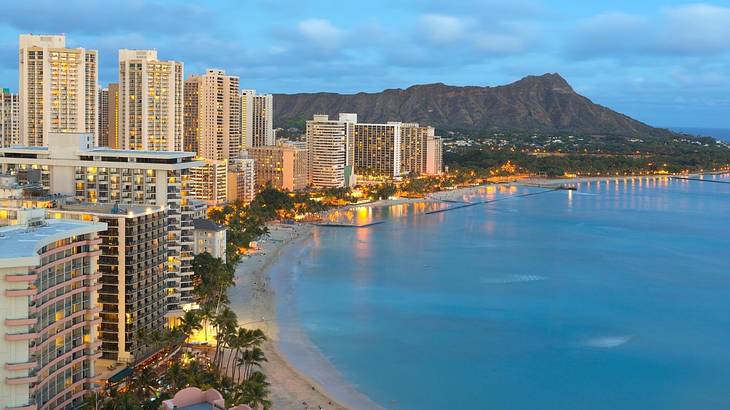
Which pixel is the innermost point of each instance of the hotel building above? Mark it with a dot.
(9, 118)
(132, 269)
(113, 117)
(103, 111)
(241, 180)
(209, 182)
(420, 150)
(283, 165)
(150, 102)
(212, 112)
(209, 237)
(377, 150)
(434, 155)
(48, 313)
(330, 150)
(58, 89)
(257, 119)
(70, 165)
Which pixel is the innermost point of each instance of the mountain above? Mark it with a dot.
(544, 103)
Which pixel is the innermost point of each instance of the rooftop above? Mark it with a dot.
(111, 209)
(207, 225)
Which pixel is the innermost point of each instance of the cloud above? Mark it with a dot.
(321, 32)
(441, 29)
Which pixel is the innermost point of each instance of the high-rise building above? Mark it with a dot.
(213, 115)
(132, 269)
(377, 150)
(49, 312)
(434, 155)
(330, 150)
(103, 111)
(150, 102)
(419, 145)
(241, 180)
(58, 88)
(209, 182)
(70, 165)
(283, 165)
(9, 118)
(257, 119)
(113, 116)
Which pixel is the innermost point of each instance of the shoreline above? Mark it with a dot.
(254, 301)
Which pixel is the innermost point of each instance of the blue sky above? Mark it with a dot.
(663, 62)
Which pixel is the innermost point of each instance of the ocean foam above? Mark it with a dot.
(608, 342)
(511, 279)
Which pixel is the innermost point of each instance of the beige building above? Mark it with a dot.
(330, 151)
(241, 180)
(150, 102)
(434, 156)
(48, 313)
(420, 150)
(209, 237)
(113, 117)
(213, 115)
(209, 182)
(70, 165)
(9, 118)
(103, 111)
(377, 150)
(283, 165)
(257, 119)
(58, 88)
(132, 269)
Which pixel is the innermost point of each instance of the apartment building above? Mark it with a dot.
(212, 112)
(9, 118)
(283, 165)
(58, 89)
(377, 150)
(103, 112)
(209, 182)
(70, 165)
(150, 102)
(132, 269)
(421, 150)
(434, 155)
(48, 313)
(113, 117)
(257, 119)
(241, 180)
(330, 151)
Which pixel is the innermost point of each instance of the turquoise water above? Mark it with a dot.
(614, 296)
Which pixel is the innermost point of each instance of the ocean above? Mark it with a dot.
(612, 296)
(722, 134)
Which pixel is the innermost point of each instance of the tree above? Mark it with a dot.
(176, 377)
(249, 359)
(144, 384)
(254, 392)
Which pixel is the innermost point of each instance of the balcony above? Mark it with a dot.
(20, 278)
(15, 381)
(20, 366)
(21, 322)
(14, 293)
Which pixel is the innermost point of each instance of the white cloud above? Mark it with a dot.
(442, 29)
(321, 32)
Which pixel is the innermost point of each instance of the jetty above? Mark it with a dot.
(468, 204)
(700, 179)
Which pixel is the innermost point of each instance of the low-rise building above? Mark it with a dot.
(209, 237)
(48, 313)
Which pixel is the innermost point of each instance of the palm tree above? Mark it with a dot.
(255, 392)
(190, 322)
(251, 358)
(224, 322)
(176, 377)
(143, 384)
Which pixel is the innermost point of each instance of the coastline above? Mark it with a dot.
(254, 301)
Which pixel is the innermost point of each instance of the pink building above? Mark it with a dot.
(192, 398)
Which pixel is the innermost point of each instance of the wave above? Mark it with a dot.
(608, 342)
(511, 279)
(585, 194)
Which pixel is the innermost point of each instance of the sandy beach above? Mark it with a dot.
(253, 301)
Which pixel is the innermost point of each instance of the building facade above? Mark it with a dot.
(421, 150)
(241, 180)
(257, 119)
(377, 150)
(209, 182)
(330, 151)
(58, 89)
(48, 313)
(213, 115)
(132, 269)
(283, 165)
(150, 102)
(103, 122)
(434, 156)
(72, 166)
(113, 117)
(9, 118)
(209, 237)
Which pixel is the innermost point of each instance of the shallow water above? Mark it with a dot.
(561, 300)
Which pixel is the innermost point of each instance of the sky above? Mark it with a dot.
(663, 62)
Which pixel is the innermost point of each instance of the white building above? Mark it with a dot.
(48, 313)
(70, 165)
(241, 180)
(57, 88)
(209, 237)
(150, 102)
(330, 150)
(257, 119)
(9, 118)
